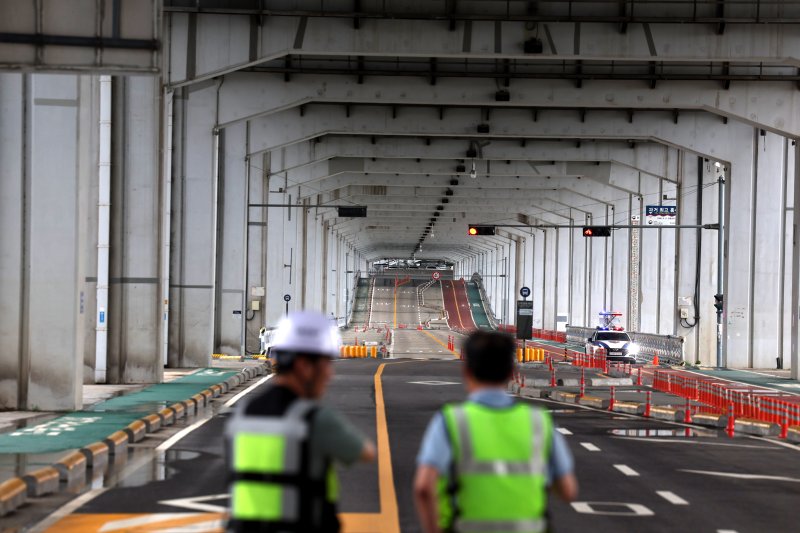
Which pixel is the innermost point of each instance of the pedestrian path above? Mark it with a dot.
(80, 428)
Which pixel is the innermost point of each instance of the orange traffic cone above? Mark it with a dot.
(655, 360)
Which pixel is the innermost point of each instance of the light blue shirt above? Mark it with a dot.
(435, 449)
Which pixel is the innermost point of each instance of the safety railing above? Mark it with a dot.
(668, 348)
(487, 307)
(735, 399)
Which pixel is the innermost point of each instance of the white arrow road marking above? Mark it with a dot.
(589, 446)
(625, 469)
(671, 497)
(196, 503)
(744, 476)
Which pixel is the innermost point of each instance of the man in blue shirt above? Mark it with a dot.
(489, 365)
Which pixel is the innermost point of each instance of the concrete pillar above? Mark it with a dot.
(47, 137)
(795, 232)
(766, 239)
(194, 209)
(134, 300)
(228, 285)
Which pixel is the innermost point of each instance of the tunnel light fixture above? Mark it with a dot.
(473, 173)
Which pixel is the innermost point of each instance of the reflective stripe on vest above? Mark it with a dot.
(266, 456)
(500, 464)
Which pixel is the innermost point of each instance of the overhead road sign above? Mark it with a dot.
(661, 215)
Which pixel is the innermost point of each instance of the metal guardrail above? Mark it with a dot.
(668, 348)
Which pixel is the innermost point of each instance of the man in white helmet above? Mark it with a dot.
(283, 444)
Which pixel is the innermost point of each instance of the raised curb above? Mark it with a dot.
(595, 401)
(631, 408)
(71, 468)
(152, 422)
(566, 397)
(756, 427)
(792, 435)
(666, 413)
(117, 442)
(179, 409)
(530, 392)
(610, 382)
(167, 415)
(13, 493)
(710, 420)
(42, 481)
(96, 455)
(136, 431)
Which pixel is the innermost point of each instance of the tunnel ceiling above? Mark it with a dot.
(557, 109)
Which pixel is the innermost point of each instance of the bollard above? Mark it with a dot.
(639, 377)
(583, 382)
(552, 376)
(613, 397)
(647, 404)
(687, 412)
(731, 429)
(784, 425)
(522, 384)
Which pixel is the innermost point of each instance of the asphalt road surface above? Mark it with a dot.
(635, 474)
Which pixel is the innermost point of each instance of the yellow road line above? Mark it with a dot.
(455, 297)
(441, 343)
(390, 517)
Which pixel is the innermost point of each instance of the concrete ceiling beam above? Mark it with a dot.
(770, 105)
(251, 41)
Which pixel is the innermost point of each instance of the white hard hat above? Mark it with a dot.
(307, 332)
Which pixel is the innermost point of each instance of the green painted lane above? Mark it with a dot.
(77, 429)
(752, 378)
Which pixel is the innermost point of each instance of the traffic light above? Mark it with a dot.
(481, 230)
(719, 302)
(597, 231)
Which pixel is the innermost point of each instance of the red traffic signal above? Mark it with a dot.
(481, 230)
(597, 231)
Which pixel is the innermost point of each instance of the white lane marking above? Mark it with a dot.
(170, 442)
(625, 509)
(701, 443)
(671, 497)
(196, 503)
(589, 446)
(743, 476)
(726, 531)
(625, 469)
(248, 390)
(564, 431)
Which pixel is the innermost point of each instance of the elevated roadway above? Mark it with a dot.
(457, 305)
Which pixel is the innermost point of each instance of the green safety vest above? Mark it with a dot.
(271, 488)
(498, 477)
